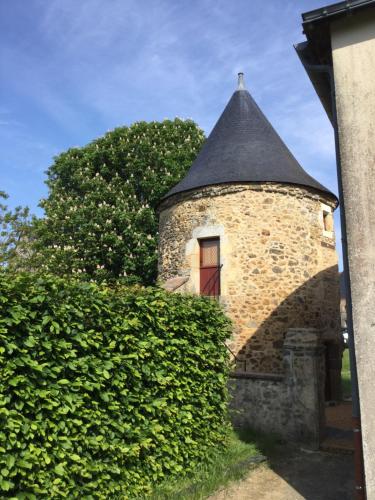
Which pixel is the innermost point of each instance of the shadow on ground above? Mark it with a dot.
(316, 475)
(293, 474)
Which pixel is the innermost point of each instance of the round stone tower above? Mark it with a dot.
(249, 226)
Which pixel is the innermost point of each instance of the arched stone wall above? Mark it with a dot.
(279, 261)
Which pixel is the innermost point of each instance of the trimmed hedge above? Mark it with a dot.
(105, 392)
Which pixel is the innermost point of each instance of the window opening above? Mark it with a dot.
(327, 221)
(210, 266)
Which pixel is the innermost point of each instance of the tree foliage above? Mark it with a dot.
(105, 391)
(15, 235)
(100, 218)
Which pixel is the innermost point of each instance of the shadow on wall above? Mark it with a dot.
(315, 304)
(291, 403)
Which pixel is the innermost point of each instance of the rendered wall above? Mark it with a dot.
(353, 49)
(279, 264)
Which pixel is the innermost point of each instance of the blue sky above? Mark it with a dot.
(74, 69)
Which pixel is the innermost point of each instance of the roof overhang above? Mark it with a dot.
(319, 75)
(316, 53)
(335, 10)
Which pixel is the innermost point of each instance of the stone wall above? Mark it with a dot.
(291, 405)
(279, 264)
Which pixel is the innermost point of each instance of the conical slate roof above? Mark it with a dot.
(244, 147)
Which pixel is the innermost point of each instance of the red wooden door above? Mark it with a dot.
(210, 266)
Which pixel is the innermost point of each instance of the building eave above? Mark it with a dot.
(335, 11)
(316, 52)
(319, 79)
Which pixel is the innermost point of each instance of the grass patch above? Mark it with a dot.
(345, 375)
(244, 451)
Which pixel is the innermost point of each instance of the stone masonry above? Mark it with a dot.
(279, 264)
(290, 405)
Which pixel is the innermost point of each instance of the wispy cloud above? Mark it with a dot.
(78, 68)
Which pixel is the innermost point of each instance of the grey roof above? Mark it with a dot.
(244, 147)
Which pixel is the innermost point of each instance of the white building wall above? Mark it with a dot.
(353, 49)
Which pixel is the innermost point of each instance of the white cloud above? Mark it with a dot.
(87, 66)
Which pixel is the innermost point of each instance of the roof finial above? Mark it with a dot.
(241, 83)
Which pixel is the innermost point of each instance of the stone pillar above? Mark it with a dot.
(304, 378)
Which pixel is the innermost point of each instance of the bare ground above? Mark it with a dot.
(296, 475)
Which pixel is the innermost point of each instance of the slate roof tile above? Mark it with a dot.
(243, 147)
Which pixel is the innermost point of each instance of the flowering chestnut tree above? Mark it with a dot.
(100, 215)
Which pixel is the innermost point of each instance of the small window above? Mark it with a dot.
(327, 221)
(210, 266)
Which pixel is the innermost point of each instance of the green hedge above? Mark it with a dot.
(105, 392)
